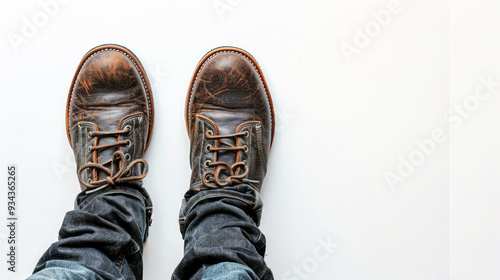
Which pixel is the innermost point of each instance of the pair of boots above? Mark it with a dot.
(230, 122)
(229, 118)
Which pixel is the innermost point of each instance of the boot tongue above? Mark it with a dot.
(108, 123)
(227, 122)
(111, 107)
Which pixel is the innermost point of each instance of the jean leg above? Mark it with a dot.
(228, 271)
(105, 234)
(221, 225)
(59, 269)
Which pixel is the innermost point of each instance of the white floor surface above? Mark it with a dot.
(386, 159)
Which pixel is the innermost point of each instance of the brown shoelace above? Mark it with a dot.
(213, 179)
(119, 164)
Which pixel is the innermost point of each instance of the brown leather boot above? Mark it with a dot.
(230, 121)
(109, 118)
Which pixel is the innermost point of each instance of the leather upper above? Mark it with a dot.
(228, 96)
(109, 109)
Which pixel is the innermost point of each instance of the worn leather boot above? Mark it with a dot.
(109, 118)
(230, 121)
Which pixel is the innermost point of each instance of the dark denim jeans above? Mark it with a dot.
(103, 237)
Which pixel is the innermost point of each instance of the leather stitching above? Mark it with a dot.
(254, 67)
(136, 67)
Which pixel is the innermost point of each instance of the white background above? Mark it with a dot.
(345, 121)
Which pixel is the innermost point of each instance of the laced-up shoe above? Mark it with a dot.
(109, 118)
(230, 121)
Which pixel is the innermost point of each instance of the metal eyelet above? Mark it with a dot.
(209, 133)
(207, 162)
(246, 133)
(207, 148)
(128, 128)
(245, 162)
(128, 143)
(89, 149)
(245, 148)
(127, 156)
